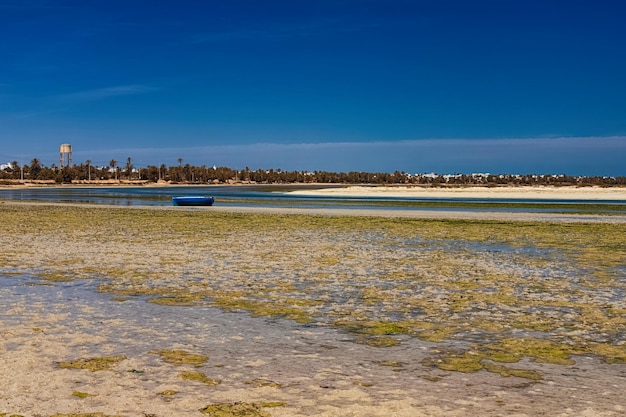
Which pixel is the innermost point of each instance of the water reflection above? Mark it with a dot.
(279, 196)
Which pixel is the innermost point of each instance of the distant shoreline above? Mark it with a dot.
(508, 192)
(570, 192)
(564, 192)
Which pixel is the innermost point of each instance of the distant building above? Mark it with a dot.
(65, 155)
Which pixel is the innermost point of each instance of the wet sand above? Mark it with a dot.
(386, 213)
(257, 360)
(285, 367)
(504, 192)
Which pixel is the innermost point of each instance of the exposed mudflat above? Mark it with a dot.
(162, 311)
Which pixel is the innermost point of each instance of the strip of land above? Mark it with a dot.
(504, 192)
(484, 192)
(395, 213)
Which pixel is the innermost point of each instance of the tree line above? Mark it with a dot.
(125, 172)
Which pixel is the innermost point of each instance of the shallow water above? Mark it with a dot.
(240, 347)
(279, 196)
(314, 370)
(357, 273)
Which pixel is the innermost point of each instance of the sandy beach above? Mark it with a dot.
(505, 192)
(114, 311)
(500, 192)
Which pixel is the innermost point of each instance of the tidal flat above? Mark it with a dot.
(314, 314)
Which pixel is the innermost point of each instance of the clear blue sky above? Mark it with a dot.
(515, 86)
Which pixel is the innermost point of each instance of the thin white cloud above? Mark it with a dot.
(21, 115)
(105, 93)
(207, 37)
(59, 103)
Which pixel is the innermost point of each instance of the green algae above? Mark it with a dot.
(470, 362)
(374, 333)
(540, 350)
(168, 393)
(199, 377)
(373, 328)
(393, 364)
(436, 332)
(57, 276)
(176, 301)
(437, 280)
(104, 363)
(271, 404)
(377, 341)
(82, 395)
(180, 357)
(258, 308)
(612, 354)
(238, 409)
(261, 382)
(512, 350)
(464, 362)
(84, 415)
(509, 350)
(507, 371)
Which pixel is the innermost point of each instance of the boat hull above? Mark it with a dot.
(193, 200)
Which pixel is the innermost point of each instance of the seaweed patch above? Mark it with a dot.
(104, 363)
(199, 377)
(238, 409)
(180, 357)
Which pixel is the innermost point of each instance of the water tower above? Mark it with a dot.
(65, 155)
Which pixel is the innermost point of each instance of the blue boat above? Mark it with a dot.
(193, 200)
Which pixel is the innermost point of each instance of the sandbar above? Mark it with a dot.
(504, 192)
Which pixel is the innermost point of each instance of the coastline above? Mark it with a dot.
(528, 217)
(549, 192)
(506, 192)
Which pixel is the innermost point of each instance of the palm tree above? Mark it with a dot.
(128, 168)
(113, 164)
(35, 168)
(15, 166)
